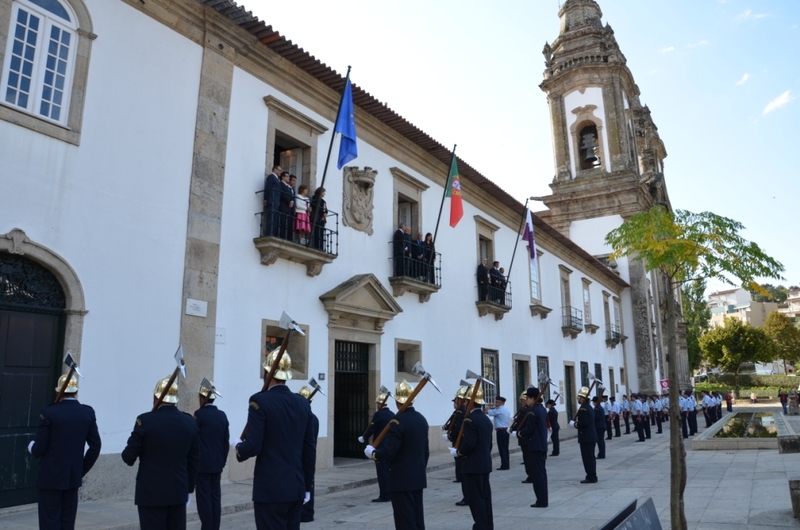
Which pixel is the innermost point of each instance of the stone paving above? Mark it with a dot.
(729, 490)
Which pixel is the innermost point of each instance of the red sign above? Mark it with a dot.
(664, 384)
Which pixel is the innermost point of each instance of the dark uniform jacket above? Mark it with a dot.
(521, 413)
(483, 274)
(167, 444)
(599, 418)
(552, 415)
(280, 434)
(534, 430)
(458, 419)
(272, 191)
(214, 438)
(405, 447)
(380, 419)
(475, 450)
(584, 421)
(64, 429)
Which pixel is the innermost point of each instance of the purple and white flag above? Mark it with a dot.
(528, 236)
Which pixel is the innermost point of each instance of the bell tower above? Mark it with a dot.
(609, 165)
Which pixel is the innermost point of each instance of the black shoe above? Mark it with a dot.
(503, 468)
(456, 481)
(587, 481)
(553, 454)
(637, 441)
(600, 458)
(462, 502)
(381, 499)
(537, 505)
(527, 481)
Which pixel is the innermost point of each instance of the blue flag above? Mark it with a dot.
(346, 124)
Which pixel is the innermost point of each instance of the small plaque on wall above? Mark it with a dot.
(197, 308)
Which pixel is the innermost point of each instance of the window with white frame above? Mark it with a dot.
(536, 286)
(40, 58)
(587, 303)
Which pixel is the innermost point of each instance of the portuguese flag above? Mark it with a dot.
(454, 192)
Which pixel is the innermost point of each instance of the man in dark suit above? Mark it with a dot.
(405, 447)
(600, 427)
(286, 207)
(522, 442)
(272, 189)
(383, 415)
(496, 281)
(483, 281)
(587, 435)
(64, 430)
(552, 417)
(475, 451)
(307, 512)
(167, 444)
(399, 251)
(280, 434)
(459, 403)
(214, 447)
(533, 428)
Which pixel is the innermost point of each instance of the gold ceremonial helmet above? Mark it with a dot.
(523, 395)
(208, 393)
(382, 398)
(402, 392)
(305, 391)
(284, 372)
(172, 393)
(478, 397)
(72, 386)
(462, 392)
(583, 392)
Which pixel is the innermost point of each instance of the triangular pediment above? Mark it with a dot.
(361, 300)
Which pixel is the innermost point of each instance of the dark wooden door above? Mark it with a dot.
(569, 389)
(351, 398)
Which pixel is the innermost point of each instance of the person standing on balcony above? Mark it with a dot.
(496, 281)
(430, 259)
(318, 212)
(272, 189)
(483, 281)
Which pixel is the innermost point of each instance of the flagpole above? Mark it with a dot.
(521, 224)
(444, 194)
(315, 215)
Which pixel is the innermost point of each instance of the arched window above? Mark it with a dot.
(588, 151)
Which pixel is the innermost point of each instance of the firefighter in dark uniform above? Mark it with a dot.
(600, 427)
(475, 453)
(307, 513)
(406, 449)
(383, 415)
(552, 417)
(453, 429)
(214, 447)
(587, 435)
(533, 429)
(167, 443)
(280, 434)
(522, 442)
(64, 430)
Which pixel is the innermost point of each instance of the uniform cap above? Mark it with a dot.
(305, 391)
(284, 371)
(478, 395)
(172, 394)
(402, 392)
(72, 386)
(532, 392)
(523, 395)
(583, 392)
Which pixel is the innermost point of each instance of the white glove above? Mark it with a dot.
(361, 439)
(235, 443)
(307, 497)
(368, 450)
(189, 500)
(572, 423)
(445, 437)
(453, 452)
(30, 447)
(514, 434)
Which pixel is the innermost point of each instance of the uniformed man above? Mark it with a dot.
(552, 417)
(587, 435)
(648, 414)
(600, 427)
(665, 406)
(166, 442)
(502, 418)
(214, 447)
(684, 405)
(692, 412)
(523, 410)
(307, 512)
(533, 428)
(707, 404)
(658, 412)
(625, 406)
(383, 415)
(608, 415)
(475, 451)
(638, 416)
(65, 428)
(406, 449)
(451, 433)
(280, 434)
(615, 412)
(718, 395)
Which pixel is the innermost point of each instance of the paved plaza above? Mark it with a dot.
(730, 490)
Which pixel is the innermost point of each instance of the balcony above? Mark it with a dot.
(613, 335)
(278, 239)
(540, 311)
(420, 274)
(494, 299)
(571, 321)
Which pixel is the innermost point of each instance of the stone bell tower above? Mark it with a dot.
(608, 166)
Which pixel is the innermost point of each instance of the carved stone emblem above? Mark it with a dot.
(358, 196)
(17, 238)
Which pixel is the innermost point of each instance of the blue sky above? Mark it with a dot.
(720, 77)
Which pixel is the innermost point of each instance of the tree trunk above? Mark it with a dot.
(677, 453)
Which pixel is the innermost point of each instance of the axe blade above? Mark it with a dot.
(288, 322)
(484, 380)
(464, 383)
(471, 375)
(384, 390)
(316, 386)
(70, 362)
(179, 360)
(590, 376)
(542, 378)
(418, 369)
(207, 384)
(431, 381)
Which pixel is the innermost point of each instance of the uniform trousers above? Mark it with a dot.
(652, 418)
(480, 500)
(589, 462)
(408, 511)
(526, 461)
(616, 426)
(209, 500)
(685, 423)
(608, 432)
(163, 517)
(692, 422)
(658, 422)
(556, 443)
(638, 426)
(502, 447)
(382, 470)
(307, 511)
(539, 476)
(460, 478)
(601, 443)
(626, 417)
(58, 508)
(646, 427)
(271, 515)
(707, 415)
(713, 411)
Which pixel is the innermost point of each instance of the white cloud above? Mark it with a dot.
(780, 101)
(748, 14)
(667, 49)
(743, 80)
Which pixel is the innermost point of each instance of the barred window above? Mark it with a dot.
(543, 367)
(490, 369)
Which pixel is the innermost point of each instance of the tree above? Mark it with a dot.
(781, 329)
(696, 315)
(774, 293)
(735, 343)
(685, 246)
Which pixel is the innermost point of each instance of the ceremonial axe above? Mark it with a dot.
(426, 378)
(313, 383)
(207, 384)
(181, 367)
(73, 369)
(471, 404)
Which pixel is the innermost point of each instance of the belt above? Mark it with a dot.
(501, 429)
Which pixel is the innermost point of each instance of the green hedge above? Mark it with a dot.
(785, 381)
(744, 391)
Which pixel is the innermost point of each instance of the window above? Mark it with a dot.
(622, 378)
(485, 232)
(543, 367)
(617, 317)
(407, 354)
(272, 336)
(407, 201)
(564, 282)
(585, 374)
(611, 386)
(598, 373)
(587, 303)
(490, 369)
(536, 288)
(45, 62)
